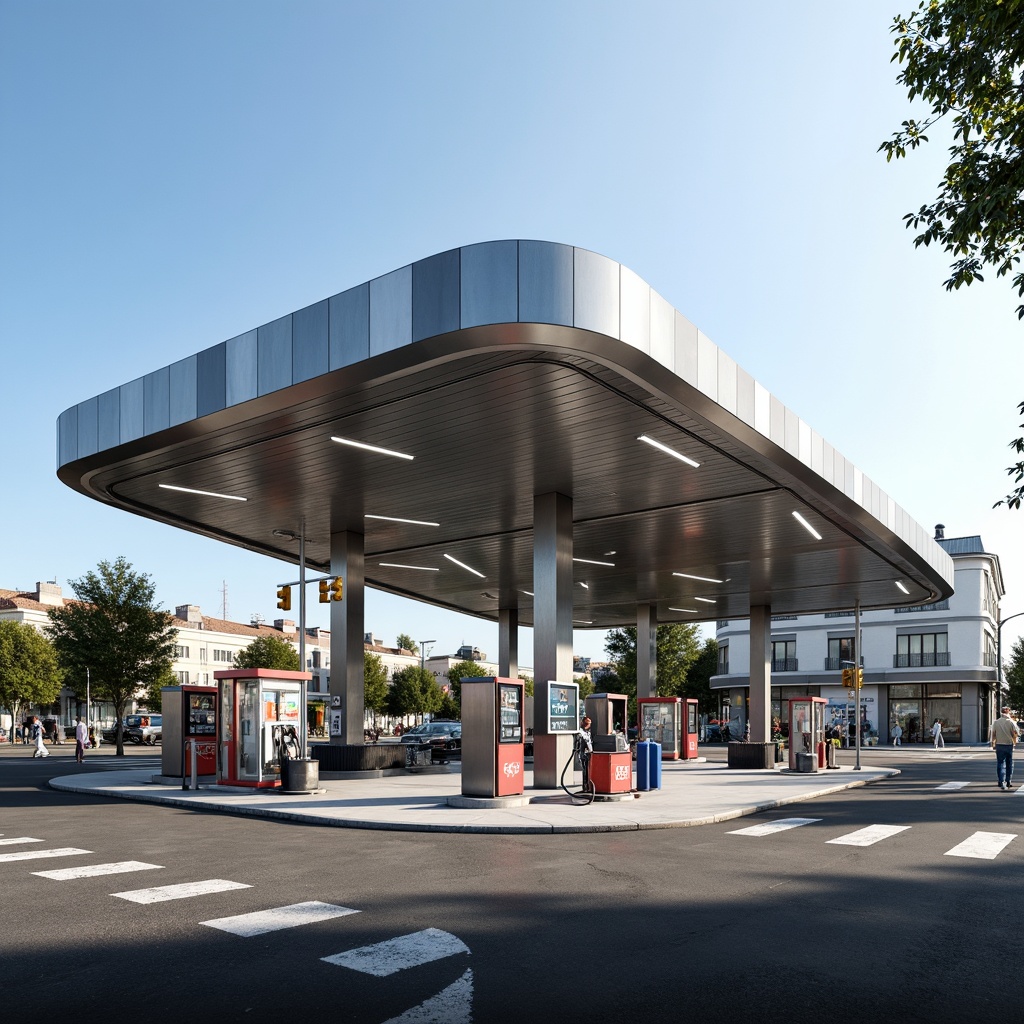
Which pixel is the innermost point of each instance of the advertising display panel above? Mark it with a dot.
(563, 707)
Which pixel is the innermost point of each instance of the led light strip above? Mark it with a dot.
(372, 448)
(703, 579)
(395, 519)
(807, 526)
(398, 565)
(668, 451)
(468, 568)
(592, 561)
(205, 494)
(903, 588)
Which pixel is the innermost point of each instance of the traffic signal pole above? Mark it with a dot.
(857, 675)
(303, 714)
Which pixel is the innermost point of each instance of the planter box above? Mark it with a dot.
(752, 755)
(354, 757)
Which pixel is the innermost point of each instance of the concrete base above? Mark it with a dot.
(486, 802)
(604, 798)
(175, 780)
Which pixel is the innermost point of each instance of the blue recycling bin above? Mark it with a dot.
(643, 765)
(654, 771)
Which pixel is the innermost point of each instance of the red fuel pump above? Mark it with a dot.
(611, 764)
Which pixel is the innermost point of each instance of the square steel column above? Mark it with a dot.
(647, 650)
(552, 628)
(508, 643)
(347, 629)
(759, 696)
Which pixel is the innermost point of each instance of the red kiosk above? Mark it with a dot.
(670, 721)
(611, 763)
(492, 737)
(806, 733)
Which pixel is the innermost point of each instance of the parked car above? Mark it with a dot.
(149, 729)
(438, 734)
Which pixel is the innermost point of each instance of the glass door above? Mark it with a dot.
(249, 730)
(906, 714)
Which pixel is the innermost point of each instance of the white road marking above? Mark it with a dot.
(394, 955)
(869, 836)
(64, 851)
(162, 893)
(263, 921)
(454, 1005)
(952, 785)
(92, 870)
(19, 839)
(983, 845)
(771, 827)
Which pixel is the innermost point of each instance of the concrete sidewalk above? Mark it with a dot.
(693, 793)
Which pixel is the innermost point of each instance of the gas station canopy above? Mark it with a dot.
(425, 409)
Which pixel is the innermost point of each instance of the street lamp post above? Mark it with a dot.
(423, 652)
(999, 658)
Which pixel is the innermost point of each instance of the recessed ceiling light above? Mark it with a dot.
(807, 526)
(395, 519)
(703, 579)
(903, 588)
(591, 561)
(608, 554)
(669, 451)
(582, 622)
(398, 565)
(528, 593)
(706, 600)
(584, 585)
(372, 448)
(468, 568)
(205, 494)
(692, 611)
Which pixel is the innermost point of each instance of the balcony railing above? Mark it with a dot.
(785, 665)
(934, 660)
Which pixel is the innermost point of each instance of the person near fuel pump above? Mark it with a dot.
(586, 748)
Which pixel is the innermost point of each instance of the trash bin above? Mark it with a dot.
(643, 765)
(654, 753)
(806, 762)
(299, 774)
(830, 754)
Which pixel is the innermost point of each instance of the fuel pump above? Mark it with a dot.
(611, 764)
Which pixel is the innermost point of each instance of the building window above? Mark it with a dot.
(223, 655)
(840, 649)
(784, 656)
(316, 659)
(723, 660)
(202, 655)
(921, 650)
(180, 652)
(937, 606)
(182, 677)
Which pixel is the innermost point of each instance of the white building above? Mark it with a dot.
(921, 663)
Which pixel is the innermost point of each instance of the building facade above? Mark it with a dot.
(934, 661)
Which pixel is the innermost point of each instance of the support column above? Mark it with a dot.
(347, 630)
(759, 696)
(508, 642)
(552, 628)
(647, 650)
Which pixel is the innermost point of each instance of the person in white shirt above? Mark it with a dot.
(1003, 737)
(81, 738)
(937, 734)
(897, 735)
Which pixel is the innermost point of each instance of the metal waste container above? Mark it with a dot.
(806, 762)
(299, 775)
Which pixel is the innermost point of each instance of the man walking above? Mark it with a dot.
(81, 738)
(1003, 736)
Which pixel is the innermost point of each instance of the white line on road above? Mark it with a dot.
(771, 827)
(394, 955)
(952, 785)
(19, 839)
(983, 845)
(64, 851)
(869, 836)
(92, 870)
(263, 921)
(453, 1005)
(162, 893)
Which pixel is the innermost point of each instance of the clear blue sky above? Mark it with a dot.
(177, 172)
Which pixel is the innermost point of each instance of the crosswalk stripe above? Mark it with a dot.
(869, 836)
(982, 845)
(19, 839)
(163, 893)
(771, 827)
(453, 1004)
(64, 851)
(394, 955)
(262, 921)
(92, 870)
(952, 785)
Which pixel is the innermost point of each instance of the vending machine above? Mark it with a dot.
(189, 718)
(492, 737)
(660, 720)
(262, 719)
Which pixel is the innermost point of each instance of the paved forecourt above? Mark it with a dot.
(693, 793)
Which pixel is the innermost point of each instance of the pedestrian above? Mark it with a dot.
(897, 735)
(1002, 737)
(57, 730)
(937, 734)
(17, 734)
(37, 735)
(81, 738)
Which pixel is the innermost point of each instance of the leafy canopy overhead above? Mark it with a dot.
(29, 673)
(965, 59)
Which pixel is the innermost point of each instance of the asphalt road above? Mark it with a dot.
(696, 924)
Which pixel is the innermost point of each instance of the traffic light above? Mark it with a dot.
(325, 591)
(284, 598)
(336, 589)
(860, 678)
(847, 677)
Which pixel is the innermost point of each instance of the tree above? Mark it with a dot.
(152, 697)
(677, 650)
(116, 633)
(463, 670)
(698, 677)
(1014, 676)
(406, 643)
(269, 652)
(375, 684)
(29, 672)
(965, 58)
(414, 691)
